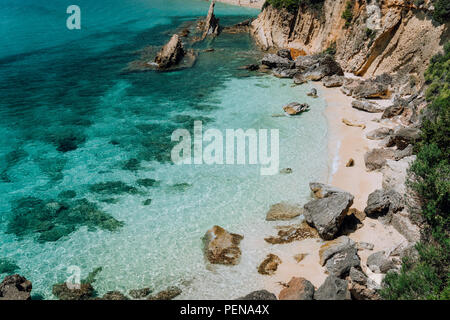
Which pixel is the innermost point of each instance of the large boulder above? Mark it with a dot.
(382, 203)
(275, 61)
(171, 54)
(297, 289)
(284, 73)
(327, 214)
(322, 190)
(405, 136)
(395, 110)
(324, 66)
(349, 86)
(15, 287)
(379, 134)
(378, 262)
(283, 211)
(269, 265)
(376, 158)
(367, 106)
(222, 247)
(333, 289)
(259, 295)
(211, 27)
(395, 174)
(341, 263)
(329, 248)
(333, 81)
(373, 88)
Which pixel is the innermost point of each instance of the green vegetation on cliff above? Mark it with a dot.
(428, 276)
(293, 5)
(441, 10)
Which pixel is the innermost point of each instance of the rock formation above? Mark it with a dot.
(297, 289)
(171, 54)
(15, 287)
(211, 27)
(222, 247)
(269, 265)
(283, 211)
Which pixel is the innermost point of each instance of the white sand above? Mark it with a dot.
(345, 142)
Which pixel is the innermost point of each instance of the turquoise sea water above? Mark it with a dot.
(86, 145)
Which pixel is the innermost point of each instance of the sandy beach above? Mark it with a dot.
(245, 3)
(345, 142)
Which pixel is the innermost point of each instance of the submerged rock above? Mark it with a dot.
(168, 294)
(140, 293)
(288, 234)
(333, 289)
(283, 211)
(112, 188)
(15, 287)
(222, 247)
(269, 265)
(259, 295)
(297, 289)
(83, 291)
(7, 266)
(114, 295)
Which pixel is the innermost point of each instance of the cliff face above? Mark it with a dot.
(381, 36)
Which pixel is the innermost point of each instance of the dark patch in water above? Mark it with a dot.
(110, 200)
(181, 186)
(67, 194)
(52, 220)
(148, 182)
(7, 266)
(132, 165)
(112, 188)
(147, 202)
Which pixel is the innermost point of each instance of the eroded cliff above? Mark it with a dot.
(377, 36)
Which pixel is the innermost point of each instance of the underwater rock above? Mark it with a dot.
(283, 211)
(147, 182)
(114, 295)
(67, 194)
(132, 165)
(112, 188)
(181, 186)
(222, 247)
(294, 108)
(288, 234)
(269, 265)
(140, 293)
(147, 202)
(7, 266)
(84, 291)
(168, 294)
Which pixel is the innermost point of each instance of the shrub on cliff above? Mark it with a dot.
(428, 277)
(441, 11)
(293, 5)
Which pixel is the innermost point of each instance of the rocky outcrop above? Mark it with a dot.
(378, 262)
(171, 53)
(283, 211)
(275, 61)
(328, 249)
(405, 136)
(328, 213)
(297, 289)
(211, 27)
(367, 106)
(83, 291)
(222, 247)
(317, 67)
(384, 203)
(379, 134)
(167, 294)
(361, 287)
(333, 289)
(376, 158)
(259, 295)
(341, 263)
(295, 108)
(322, 190)
(269, 265)
(382, 37)
(333, 81)
(15, 287)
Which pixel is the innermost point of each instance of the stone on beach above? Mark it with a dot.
(333, 81)
(333, 289)
(329, 248)
(312, 93)
(376, 158)
(222, 247)
(288, 234)
(379, 263)
(367, 106)
(327, 214)
(297, 289)
(379, 134)
(341, 262)
(283, 211)
(270, 265)
(352, 124)
(322, 190)
(384, 202)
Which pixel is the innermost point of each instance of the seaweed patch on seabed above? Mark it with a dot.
(7, 266)
(52, 220)
(112, 188)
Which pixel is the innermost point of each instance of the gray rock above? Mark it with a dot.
(325, 66)
(295, 108)
(312, 93)
(395, 174)
(321, 190)
(379, 263)
(328, 249)
(383, 203)
(349, 86)
(15, 287)
(114, 295)
(376, 158)
(367, 106)
(297, 289)
(168, 294)
(407, 152)
(372, 88)
(333, 81)
(357, 276)
(333, 289)
(211, 26)
(364, 246)
(406, 228)
(284, 73)
(299, 78)
(394, 110)
(259, 295)
(274, 61)
(341, 263)
(327, 214)
(140, 293)
(285, 53)
(405, 136)
(379, 134)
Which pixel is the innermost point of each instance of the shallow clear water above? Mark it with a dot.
(71, 119)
